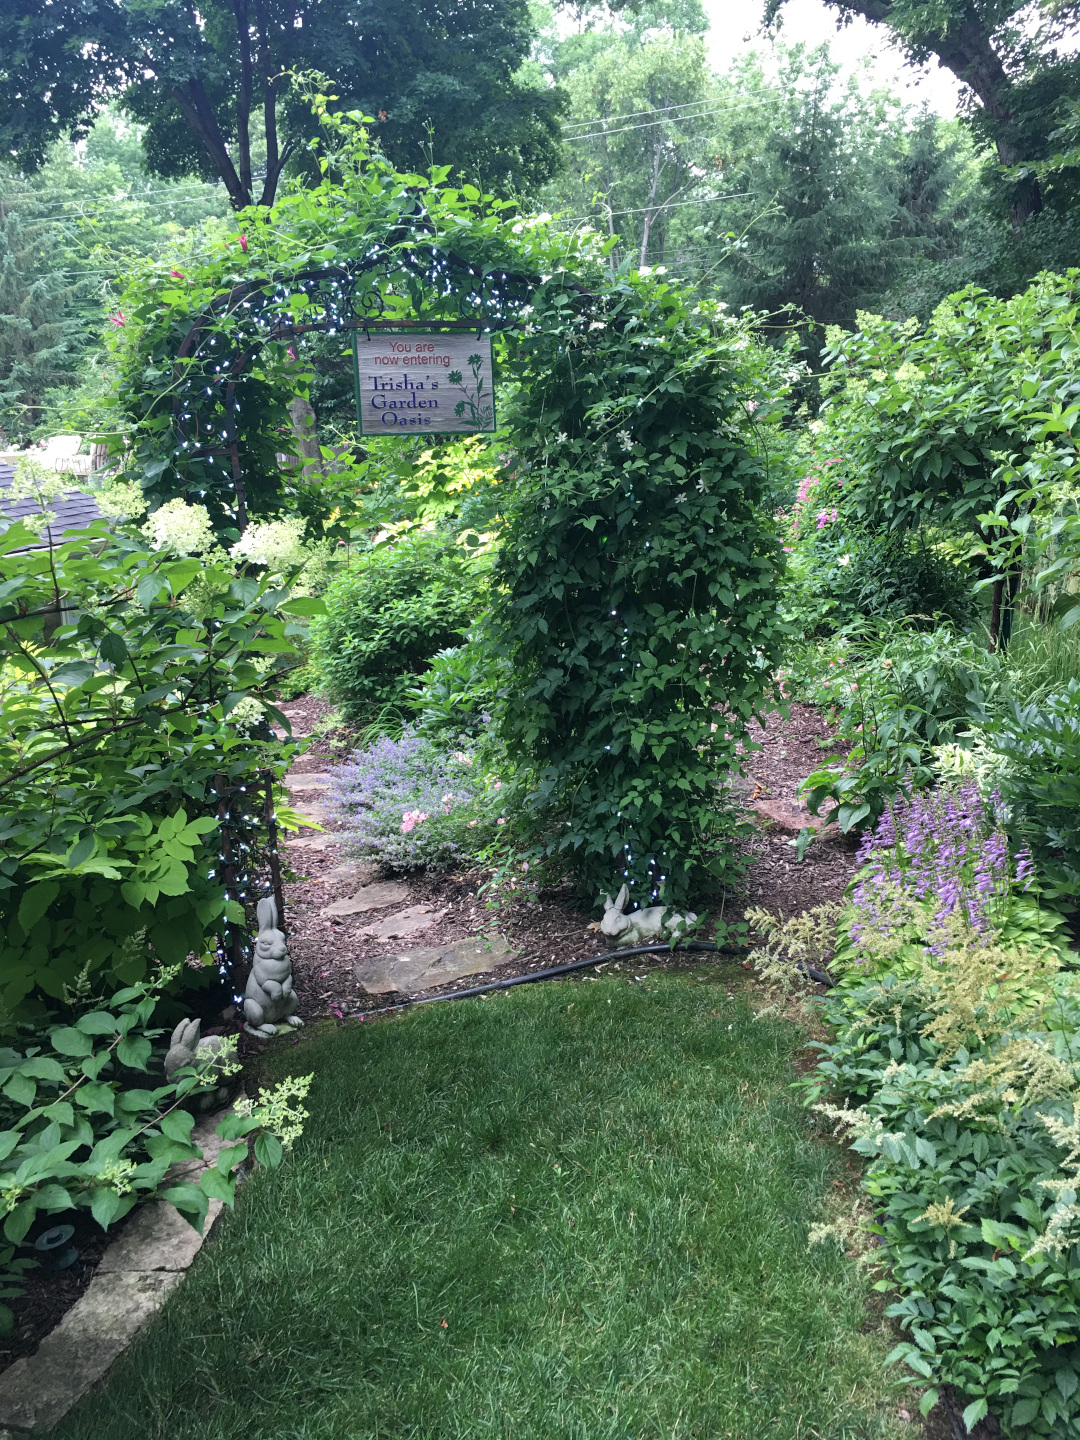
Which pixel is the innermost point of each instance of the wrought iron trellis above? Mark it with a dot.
(249, 861)
(395, 285)
(442, 291)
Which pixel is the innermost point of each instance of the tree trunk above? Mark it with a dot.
(302, 415)
(243, 99)
(199, 114)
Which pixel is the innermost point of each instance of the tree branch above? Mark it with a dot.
(243, 99)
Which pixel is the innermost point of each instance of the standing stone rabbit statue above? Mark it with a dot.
(269, 999)
(640, 927)
(187, 1049)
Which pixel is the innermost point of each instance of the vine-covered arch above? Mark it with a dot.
(637, 570)
(423, 287)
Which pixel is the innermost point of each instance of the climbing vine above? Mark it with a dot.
(638, 576)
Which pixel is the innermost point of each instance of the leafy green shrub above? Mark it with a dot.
(841, 570)
(79, 1131)
(387, 615)
(636, 583)
(967, 423)
(848, 571)
(113, 729)
(461, 692)
(1040, 779)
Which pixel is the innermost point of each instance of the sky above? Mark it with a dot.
(735, 27)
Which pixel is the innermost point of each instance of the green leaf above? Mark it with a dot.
(268, 1150)
(97, 1022)
(974, 1412)
(104, 1206)
(134, 1051)
(217, 1186)
(70, 1041)
(97, 1097)
(177, 1125)
(35, 902)
(928, 1401)
(112, 648)
(43, 1067)
(21, 1090)
(19, 1221)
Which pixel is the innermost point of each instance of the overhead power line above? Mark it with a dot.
(661, 113)
(676, 205)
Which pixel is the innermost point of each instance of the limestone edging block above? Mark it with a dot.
(38, 1391)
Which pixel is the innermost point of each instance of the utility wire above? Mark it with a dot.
(653, 110)
(644, 209)
(649, 124)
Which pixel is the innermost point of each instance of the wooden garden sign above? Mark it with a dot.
(423, 382)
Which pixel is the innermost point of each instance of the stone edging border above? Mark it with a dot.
(134, 1276)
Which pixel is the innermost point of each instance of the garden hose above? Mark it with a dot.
(554, 971)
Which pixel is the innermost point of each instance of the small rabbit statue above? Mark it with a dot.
(269, 999)
(640, 927)
(188, 1048)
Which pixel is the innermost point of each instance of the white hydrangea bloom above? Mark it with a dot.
(277, 544)
(185, 528)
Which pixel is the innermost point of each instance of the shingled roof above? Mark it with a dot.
(73, 511)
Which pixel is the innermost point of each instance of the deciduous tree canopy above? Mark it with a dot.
(211, 83)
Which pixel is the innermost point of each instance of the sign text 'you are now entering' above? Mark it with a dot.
(430, 383)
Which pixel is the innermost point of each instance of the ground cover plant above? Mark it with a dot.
(409, 805)
(577, 1209)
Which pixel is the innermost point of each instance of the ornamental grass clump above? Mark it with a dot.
(410, 806)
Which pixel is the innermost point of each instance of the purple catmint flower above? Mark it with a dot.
(409, 805)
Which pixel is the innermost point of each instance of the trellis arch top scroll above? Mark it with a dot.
(391, 286)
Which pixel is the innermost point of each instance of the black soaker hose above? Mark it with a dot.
(553, 971)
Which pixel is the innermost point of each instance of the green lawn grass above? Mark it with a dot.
(575, 1211)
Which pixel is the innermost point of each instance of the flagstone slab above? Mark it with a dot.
(315, 781)
(787, 815)
(429, 966)
(352, 872)
(405, 922)
(312, 842)
(371, 897)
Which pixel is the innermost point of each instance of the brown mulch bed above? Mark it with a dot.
(49, 1293)
(325, 949)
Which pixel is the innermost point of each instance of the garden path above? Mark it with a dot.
(325, 946)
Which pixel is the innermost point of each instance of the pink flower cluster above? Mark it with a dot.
(411, 818)
(824, 516)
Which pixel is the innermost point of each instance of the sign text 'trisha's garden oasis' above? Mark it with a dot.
(411, 382)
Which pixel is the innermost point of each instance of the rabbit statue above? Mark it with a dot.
(640, 927)
(269, 998)
(188, 1048)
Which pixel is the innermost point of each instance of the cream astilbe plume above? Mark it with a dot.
(790, 945)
